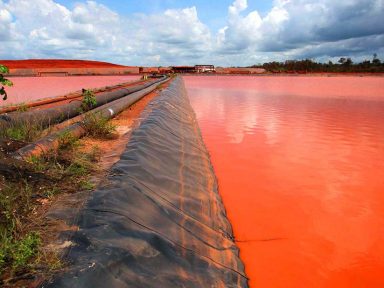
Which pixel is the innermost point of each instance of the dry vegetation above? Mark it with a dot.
(27, 186)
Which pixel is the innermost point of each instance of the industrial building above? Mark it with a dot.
(194, 69)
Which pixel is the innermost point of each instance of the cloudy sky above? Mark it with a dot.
(174, 32)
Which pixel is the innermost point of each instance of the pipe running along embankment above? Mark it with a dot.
(74, 127)
(67, 97)
(159, 221)
(57, 114)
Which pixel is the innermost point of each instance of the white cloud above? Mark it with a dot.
(291, 29)
(92, 31)
(237, 6)
(5, 24)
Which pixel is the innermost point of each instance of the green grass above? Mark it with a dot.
(16, 253)
(23, 131)
(98, 126)
(65, 171)
(50, 192)
(86, 185)
(67, 140)
(22, 107)
(24, 249)
(78, 168)
(89, 100)
(15, 202)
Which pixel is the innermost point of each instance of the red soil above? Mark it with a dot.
(55, 63)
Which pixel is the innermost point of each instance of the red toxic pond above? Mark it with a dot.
(300, 165)
(26, 89)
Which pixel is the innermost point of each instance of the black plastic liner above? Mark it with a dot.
(159, 220)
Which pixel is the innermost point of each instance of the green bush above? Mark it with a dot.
(25, 249)
(89, 100)
(18, 253)
(97, 125)
(23, 131)
(67, 140)
(4, 81)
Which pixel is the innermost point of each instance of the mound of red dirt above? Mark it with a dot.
(55, 63)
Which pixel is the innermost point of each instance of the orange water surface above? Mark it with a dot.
(27, 89)
(300, 165)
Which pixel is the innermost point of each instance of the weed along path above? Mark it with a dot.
(42, 196)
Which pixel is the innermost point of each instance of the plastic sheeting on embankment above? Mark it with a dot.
(159, 221)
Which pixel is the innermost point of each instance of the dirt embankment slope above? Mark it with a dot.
(56, 63)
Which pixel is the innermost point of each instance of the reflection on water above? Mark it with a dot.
(300, 164)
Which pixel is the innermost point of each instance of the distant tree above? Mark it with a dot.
(307, 65)
(375, 60)
(348, 62)
(4, 81)
(342, 60)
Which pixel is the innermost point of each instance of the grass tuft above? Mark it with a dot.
(24, 249)
(67, 140)
(22, 107)
(98, 126)
(66, 171)
(21, 131)
(89, 100)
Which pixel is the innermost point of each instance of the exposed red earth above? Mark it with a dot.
(27, 89)
(300, 166)
(55, 63)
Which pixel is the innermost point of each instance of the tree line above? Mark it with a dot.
(343, 65)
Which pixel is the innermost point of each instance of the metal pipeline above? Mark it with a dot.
(77, 130)
(72, 95)
(53, 115)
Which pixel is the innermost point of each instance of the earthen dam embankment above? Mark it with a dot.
(158, 221)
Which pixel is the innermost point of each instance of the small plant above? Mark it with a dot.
(5, 248)
(37, 162)
(21, 131)
(22, 108)
(25, 249)
(51, 192)
(19, 251)
(86, 185)
(15, 201)
(16, 133)
(89, 100)
(95, 154)
(4, 81)
(67, 140)
(77, 168)
(97, 125)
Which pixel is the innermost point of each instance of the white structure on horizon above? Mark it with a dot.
(205, 68)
